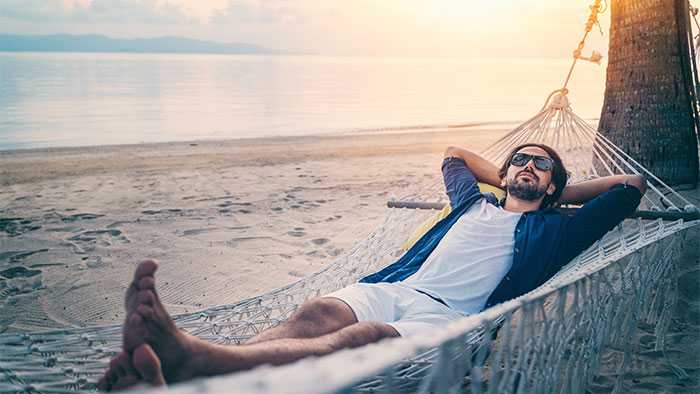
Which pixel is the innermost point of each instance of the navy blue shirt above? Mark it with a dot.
(545, 240)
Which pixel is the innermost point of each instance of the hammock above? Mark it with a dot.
(550, 339)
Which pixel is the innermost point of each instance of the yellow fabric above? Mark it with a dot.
(499, 193)
(428, 224)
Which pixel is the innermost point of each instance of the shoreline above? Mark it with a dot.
(405, 129)
(36, 164)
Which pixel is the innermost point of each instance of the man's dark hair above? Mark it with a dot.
(559, 174)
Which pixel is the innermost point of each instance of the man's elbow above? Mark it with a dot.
(451, 151)
(638, 181)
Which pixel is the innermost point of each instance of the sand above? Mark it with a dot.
(227, 220)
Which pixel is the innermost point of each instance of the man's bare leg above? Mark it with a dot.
(183, 356)
(314, 318)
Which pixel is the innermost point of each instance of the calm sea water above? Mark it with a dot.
(70, 99)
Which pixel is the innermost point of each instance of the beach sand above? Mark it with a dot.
(227, 220)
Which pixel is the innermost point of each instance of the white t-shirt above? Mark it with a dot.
(470, 260)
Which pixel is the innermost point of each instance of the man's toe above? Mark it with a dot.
(145, 269)
(146, 297)
(147, 282)
(147, 364)
(134, 332)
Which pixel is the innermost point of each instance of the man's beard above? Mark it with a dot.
(527, 191)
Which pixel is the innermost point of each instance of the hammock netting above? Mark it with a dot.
(549, 340)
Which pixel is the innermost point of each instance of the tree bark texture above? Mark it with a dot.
(650, 109)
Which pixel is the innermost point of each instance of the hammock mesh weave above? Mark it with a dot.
(549, 340)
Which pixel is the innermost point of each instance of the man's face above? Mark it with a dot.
(528, 182)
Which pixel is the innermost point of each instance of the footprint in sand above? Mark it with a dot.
(92, 235)
(18, 255)
(327, 250)
(80, 216)
(161, 211)
(18, 226)
(297, 232)
(296, 274)
(94, 262)
(197, 231)
(227, 204)
(65, 229)
(334, 251)
(19, 272)
(235, 242)
(333, 218)
(87, 240)
(21, 279)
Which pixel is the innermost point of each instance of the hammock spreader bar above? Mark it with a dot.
(641, 214)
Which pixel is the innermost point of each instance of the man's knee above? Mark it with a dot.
(326, 311)
(363, 333)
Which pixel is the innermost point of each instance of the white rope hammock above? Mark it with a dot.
(550, 340)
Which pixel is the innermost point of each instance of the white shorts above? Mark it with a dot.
(406, 310)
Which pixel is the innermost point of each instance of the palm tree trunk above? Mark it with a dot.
(650, 108)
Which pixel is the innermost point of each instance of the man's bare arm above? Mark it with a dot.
(483, 170)
(585, 191)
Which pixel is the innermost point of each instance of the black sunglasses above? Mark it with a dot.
(541, 163)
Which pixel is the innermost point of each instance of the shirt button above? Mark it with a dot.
(517, 250)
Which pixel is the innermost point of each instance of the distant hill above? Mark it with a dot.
(100, 43)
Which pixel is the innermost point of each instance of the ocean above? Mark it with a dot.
(82, 99)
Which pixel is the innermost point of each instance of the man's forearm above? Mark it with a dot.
(582, 192)
(483, 170)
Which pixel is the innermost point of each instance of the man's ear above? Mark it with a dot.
(503, 182)
(551, 189)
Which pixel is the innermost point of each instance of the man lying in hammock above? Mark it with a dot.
(483, 253)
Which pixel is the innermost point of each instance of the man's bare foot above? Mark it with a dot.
(148, 322)
(143, 279)
(143, 367)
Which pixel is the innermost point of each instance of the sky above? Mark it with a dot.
(391, 28)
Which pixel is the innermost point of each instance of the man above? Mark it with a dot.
(483, 253)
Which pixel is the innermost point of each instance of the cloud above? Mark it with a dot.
(33, 10)
(95, 11)
(257, 11)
